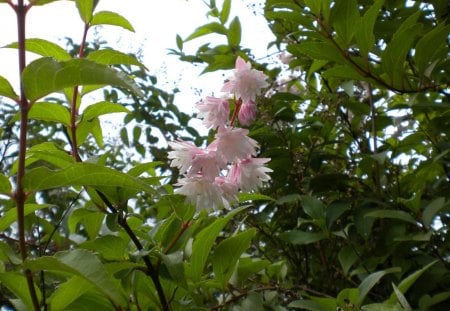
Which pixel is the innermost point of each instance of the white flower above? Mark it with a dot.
(249, 174)
(246, 83)
(182, 155)
(233, 143)
(201, 192)
(214, 111)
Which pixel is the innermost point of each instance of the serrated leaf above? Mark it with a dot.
(234, 33)
(102, 108)
(111, 18)
(206, 30)
(203, 243)
(364, 33)
(7, 90)
(10, 216)
(44, 48)
(111, 248)
(345, 16)
(5, 185)
(80, 174)
(86, 9)
(113, 57)
(46, 75)
(369, 282)
(298, 237)
(227, 254)
(84, 264)
(392, 214)
(17, 284)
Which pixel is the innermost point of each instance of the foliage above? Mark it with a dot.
(355, 123)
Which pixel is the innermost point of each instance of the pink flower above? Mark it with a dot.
(247, 113)
(249, 174)
(201, 192)
(182, 155)
(229, 190)
(214, 111)
(246, 83)
(209, 164)
(233, 144)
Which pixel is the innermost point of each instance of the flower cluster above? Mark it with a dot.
(213, 176)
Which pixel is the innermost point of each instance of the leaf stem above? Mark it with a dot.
(20, 196)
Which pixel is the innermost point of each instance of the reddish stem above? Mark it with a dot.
(236, 111)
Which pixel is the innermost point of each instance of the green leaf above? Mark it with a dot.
(317, 50)
(343, 72)
(234, 33)
(313, 207)
(345, 16)
(392, 214)
(180, 42)
(225, 13)
(68, 292)
(44, 48)
(5, 185)
(109, 247)
(206, 30)
(101, 108)
(111, 18)
(347, 257)
(48, 111)
(7, 90)
(306, 305)
(429, 45)
(298, 237)
(370, 281)
(407, 282)
(364, 32)
(203, 243)
(244, 197)
(426, 301)
(249, 266)
(42, 2)
(86, 9)
(91, 221)
(84, 264)
(45, 75)
(227, 254)
(430, 211)
(17, 284)
(10, 216)
(81, 174)
(113, 57)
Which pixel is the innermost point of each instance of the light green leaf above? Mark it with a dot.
(48, 111)
(343, 72)
(102, 108)
(370, 281)
(234, 33)
(10, 216)
(81, 174)
(91, 220)
(298, 237)
(113, 57)
(401, 298)
(46, 75)
(430, 211)
(68, 292)
(7, 90)
(306, 305)
(44, 48)
(407, 282)
(84, 264)
(5, 185)
(227, 254)
(249, 266)
(111, 18)
(42, 2)
(392, 214)
(17, 284)
(206, 30)
(244, 197)
(86, 9)
(364, 32)
(225, 13)
(203, 243)
(345, 16)
(111, 248)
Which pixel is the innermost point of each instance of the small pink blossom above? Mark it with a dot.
(182, 155)
(229, 190)
(247, 113)
(214, 111)
(209, 164)
(233, 143)
(249, 174)
(201, 192)
(246, 83)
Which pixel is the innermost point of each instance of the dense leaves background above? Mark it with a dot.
(356, 122)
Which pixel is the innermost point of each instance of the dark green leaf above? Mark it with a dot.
(313, 207)
(111, 18)
(431, 210)
(345, 16)
(109, 247)
(10, 216)
(365, 31)
(317, 50)
(370, 281)
(347, 257)
(44, 48)
(46, 75)
(7, 90)
(234, 33)
(392, 214)
(5, 185)
(298, 237)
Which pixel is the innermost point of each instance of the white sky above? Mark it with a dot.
(156, 23)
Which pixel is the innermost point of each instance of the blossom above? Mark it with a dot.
(214, 111)
(208, 163)
(250, 173)
(201, 192)
(228, 189)
(233, 143)
(246, 83)
(182, 155)
(247, 113)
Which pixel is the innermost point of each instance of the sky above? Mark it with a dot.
(156, 24)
